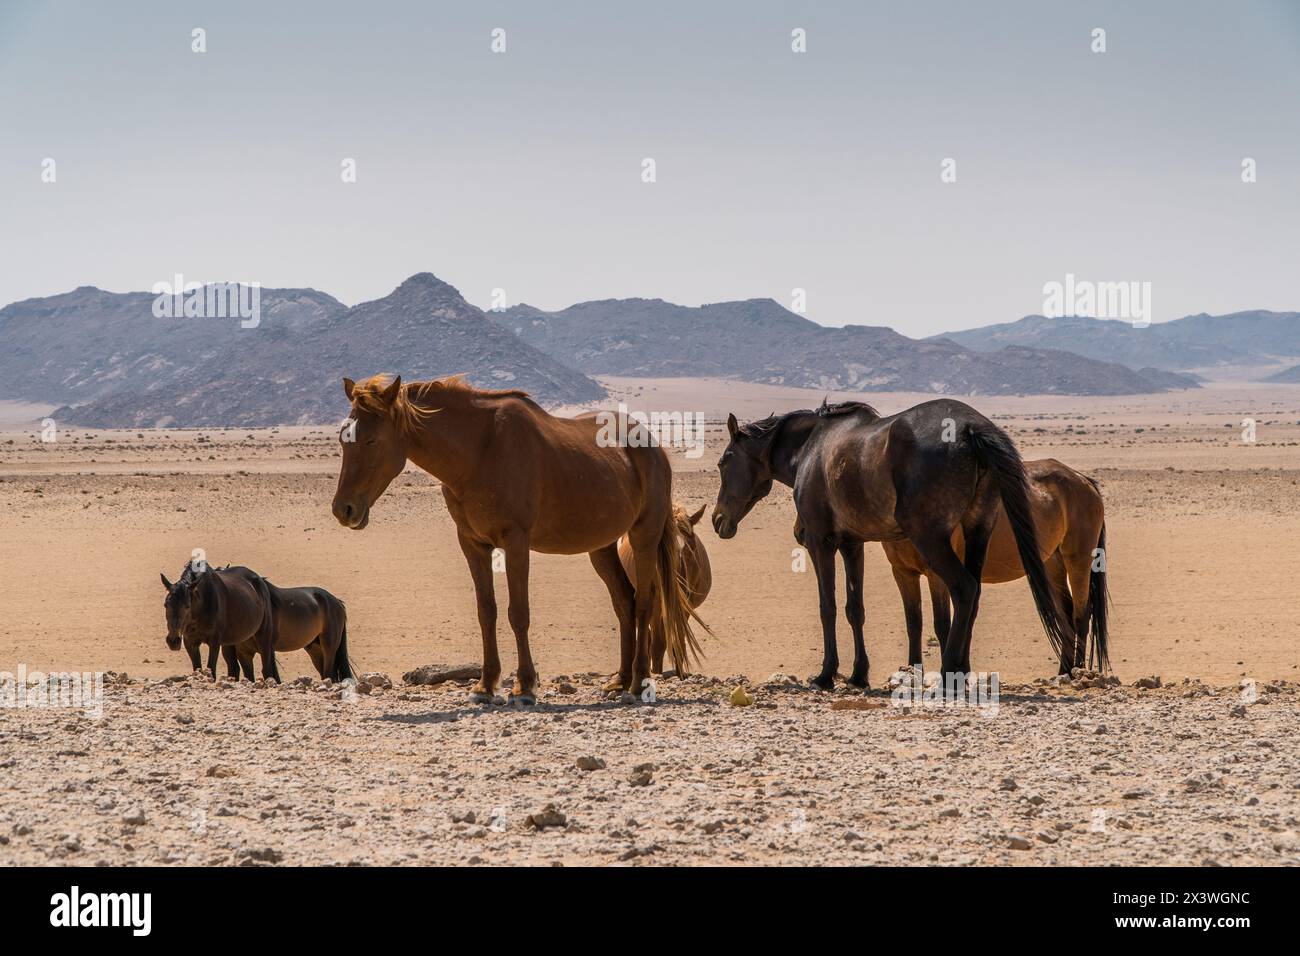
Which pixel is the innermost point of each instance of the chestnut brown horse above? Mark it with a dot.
(694, 570)
(307, 618)
(1070, 521)
(517, 478)
(916, 475)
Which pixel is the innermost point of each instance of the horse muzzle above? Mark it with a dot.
(723, 525)
(173, 643)
(351, 515)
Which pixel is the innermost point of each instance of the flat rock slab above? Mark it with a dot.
(430, 674)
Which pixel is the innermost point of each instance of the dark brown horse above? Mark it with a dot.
(215, 610)
(519, 479)
(694, 570)
(1070, 519)
(917, 475)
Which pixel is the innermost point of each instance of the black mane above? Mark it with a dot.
(764, 428)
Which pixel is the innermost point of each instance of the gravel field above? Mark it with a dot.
(182, 771)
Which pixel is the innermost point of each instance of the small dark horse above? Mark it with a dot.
(917, 475)
(240, 612)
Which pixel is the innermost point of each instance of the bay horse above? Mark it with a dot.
(517, 478)
(216, 610)
(694, 570)
(1070, 520)
(916, 475)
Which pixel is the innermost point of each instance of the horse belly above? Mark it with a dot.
(298, 622)
(588, 507)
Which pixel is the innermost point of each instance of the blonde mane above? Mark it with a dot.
(412, 406)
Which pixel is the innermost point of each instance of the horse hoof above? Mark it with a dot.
(860, 683)
(523, 700)
(627, 698)
(479, 697)
(818, 683)
(613, 685)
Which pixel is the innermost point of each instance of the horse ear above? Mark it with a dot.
(389, 395)
(167, 584)
(695, 518)
(348, 386)
(732, 425)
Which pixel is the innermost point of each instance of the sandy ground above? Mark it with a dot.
(1203, 572)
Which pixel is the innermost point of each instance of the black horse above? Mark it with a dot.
(241, 612)
(916, 475)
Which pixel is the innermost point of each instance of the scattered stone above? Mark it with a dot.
(1018, 843)
(548, 816)
(134, 817)
(441, 673)
(1147, 683)
(590, 763)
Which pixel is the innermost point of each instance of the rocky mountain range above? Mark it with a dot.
(1194, 342)
(113, 363)
(758, 340)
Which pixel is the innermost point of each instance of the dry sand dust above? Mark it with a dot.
(1203, 562)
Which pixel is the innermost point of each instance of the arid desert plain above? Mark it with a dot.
(1203, 561)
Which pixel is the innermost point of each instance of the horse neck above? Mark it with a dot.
(447, 443)
(788, 442)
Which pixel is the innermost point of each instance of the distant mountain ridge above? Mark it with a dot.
(1196, 341)
(759, 340)
(113, 364)
(110, 362)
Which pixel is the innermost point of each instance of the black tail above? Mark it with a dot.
(268, 622)
(995, 451)
(1098, 602)
(342, 666)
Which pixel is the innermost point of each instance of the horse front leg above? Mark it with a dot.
(214, 648)
(855, 612)
(823, 558)
(517, 557)
(478, 556)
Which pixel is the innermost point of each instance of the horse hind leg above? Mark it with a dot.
(246, 652)
(1059, 578)
(317, 656)
(941, 608)
(936, 550)
(623, 597)
(1078, 567)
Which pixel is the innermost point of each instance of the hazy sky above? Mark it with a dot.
(775, 170)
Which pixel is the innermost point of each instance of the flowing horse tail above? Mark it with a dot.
(268, 625)
(1099, 600)
(995, 452)
(673, 612)
(342, 666)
